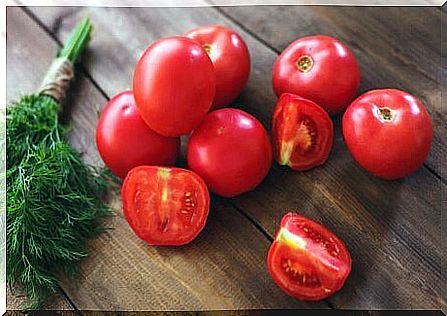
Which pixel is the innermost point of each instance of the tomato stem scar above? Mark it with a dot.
(207, 48)
(304, 63)
(386, 114)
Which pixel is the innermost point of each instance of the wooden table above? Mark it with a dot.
(394, 229)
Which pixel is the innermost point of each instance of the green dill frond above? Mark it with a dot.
(53, 198)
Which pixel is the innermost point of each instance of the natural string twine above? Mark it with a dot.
(57, 79)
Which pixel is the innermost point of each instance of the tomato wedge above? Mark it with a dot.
(306, 260)
(302, 133)
(165, 206)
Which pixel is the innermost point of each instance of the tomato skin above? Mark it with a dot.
(174, 85)
(165, 206)
(124, 141)
(231, 151)
(230, 57)
(306, 260)
(308, 148)
(389, 149)
(332, 79)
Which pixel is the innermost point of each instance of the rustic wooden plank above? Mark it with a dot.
(16, 51)
(396, 47)
(384, 223)
(224, 268)
(17, 70)
(398, 221)
(15, 300)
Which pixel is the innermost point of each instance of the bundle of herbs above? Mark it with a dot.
(53, 198)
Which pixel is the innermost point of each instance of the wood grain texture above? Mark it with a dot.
(15, 300)
(397, 47)
(224, 268)
(377, 279)
(16, 52)
(393, 229)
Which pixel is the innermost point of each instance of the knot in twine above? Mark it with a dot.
(57, 79)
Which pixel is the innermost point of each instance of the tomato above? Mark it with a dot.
(388, 132)
(165, 206)
(302, 133)
(319, 68)
(230, 58)
(174, 85)
(306, 260)
(124, 141)
(231, 151)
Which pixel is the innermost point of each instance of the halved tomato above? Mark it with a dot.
(306, 260)
(165, 206)
(302, 133)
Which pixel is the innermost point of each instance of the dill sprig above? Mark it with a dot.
(53, 199)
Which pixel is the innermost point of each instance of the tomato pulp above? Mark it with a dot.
(302, 133)
(388, 132)
(165, 206)
(174, 85)
(306, 260)
(231, 151)
(319, 68)
(230, 58)
(124, 141)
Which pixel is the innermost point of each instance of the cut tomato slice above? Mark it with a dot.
(302, 133)
(165, 206)
(306, 260)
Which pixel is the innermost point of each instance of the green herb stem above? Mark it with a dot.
(77, 41)
(53, 199)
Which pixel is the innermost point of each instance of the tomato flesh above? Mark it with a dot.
(165, 206)
(306, 260)
(302, 133)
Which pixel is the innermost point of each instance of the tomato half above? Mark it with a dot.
(388, 132)
(306, 260)
(124, 141)
(174, 85)
(231, 151)
(230, 57)
(319, 68)
(165, 206)
(302, 133)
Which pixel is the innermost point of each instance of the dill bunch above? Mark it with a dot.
(53, 199)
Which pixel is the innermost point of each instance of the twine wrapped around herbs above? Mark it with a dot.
(57, 79)
(53, 200)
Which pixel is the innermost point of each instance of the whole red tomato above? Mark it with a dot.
(306, 260)
(319, 68)
(231, 151)
(302, 133)
(124, 141)
(165, 206)
(230, 57)
(388, 132)
(174, 85)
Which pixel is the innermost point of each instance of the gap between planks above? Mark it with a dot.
(107, 96)
(90, 78)
(277, 52)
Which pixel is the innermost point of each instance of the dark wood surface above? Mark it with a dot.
(123, 273)
(394, 229)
